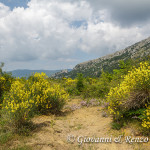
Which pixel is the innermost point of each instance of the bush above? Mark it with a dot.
(17, 104)
(97, 88)
(5, 82)
(146, 118)
(70, 86)
(2, 85)
(31, 96)
(48, 96)
(132, 93)
(116, 125)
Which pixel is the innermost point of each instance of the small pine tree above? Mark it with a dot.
(80, 84)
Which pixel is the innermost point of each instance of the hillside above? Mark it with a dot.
(26, 73)
(140, 50)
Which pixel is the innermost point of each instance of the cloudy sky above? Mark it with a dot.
(58, 34)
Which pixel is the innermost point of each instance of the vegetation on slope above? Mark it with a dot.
(137, 52)
(124, 94)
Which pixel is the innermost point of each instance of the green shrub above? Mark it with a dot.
(80, 84)
(116, 125)
(97, 88)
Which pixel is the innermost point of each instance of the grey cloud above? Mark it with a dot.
(22, 57)
(125, 12)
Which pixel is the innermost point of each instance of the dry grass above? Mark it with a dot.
(136, 100)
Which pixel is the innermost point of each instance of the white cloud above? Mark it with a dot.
(67, 60)
(104, 38)
(43, 32)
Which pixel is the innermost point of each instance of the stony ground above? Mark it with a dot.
(54, 132)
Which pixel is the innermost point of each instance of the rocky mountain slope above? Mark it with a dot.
(140, 50)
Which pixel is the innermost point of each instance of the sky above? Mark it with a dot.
(58, 34)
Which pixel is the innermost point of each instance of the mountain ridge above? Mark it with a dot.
(139, 50)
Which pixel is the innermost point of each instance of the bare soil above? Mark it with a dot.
(52, 131)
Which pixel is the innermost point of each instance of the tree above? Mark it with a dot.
(1, 66)
(80, 84)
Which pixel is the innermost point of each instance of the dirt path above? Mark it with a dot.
(53, 131)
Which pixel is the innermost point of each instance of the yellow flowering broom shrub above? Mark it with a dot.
(48, 96)
(17, 104)
(146, 120)
(70, 86)
(2, 87)
(2, 83)
(70, 81)
(36, 94)
(133, 92)
(5, 83)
